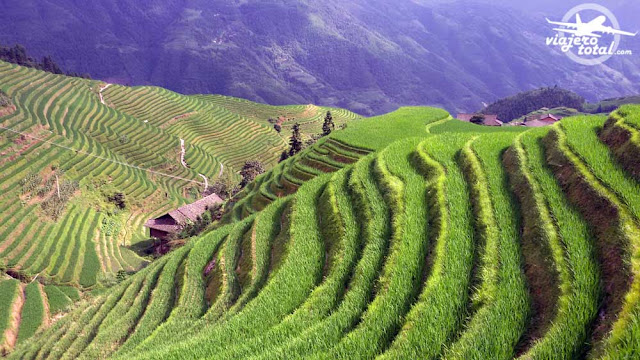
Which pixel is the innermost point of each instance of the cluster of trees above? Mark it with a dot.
(54, 205)
(477, 119)
(55, 191)
(17, 54)
(526, 102)
(227, 188)
(118, 199)
(297, 144)
(276, 124)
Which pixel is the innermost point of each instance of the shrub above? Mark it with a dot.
(250, 171)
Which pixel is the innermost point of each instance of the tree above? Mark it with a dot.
(295, 142)
(277, 127)
(284, 156)
(119, 200)
(50, 66)
(477, 119)
(223, 187)
(328, 125)
(521, 104)
(250, 171)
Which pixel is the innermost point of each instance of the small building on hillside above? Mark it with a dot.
(489, 119)
(172, 222)
(541, 120)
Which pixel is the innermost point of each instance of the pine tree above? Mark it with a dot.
(295, 142)
(328, 125)
(284, 156)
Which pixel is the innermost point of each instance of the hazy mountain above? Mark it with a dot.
(368, 56)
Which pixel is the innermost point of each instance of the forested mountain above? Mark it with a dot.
(523, 103)
(18, 55)
(368, 56)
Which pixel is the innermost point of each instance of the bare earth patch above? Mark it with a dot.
(11, 333)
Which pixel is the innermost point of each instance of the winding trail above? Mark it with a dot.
(182, 151)
(100, 93)
(184, 163)
(206, 183)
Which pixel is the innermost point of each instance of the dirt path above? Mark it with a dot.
(184, 163)
(221, 170)
(100, 93)
(47, 312)
(206, 183)
(182, 151)
(11, 333)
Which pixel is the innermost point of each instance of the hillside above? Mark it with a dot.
(366, 56)
(609, 105)
(528, 102)
(408, 235)
(71, 147)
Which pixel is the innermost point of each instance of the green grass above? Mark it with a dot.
(33, 312)
(58, 300)
(578, 303)
(436, 316)
(495, 328)
(8, 292)
(404, 191)
(341, 253)
(377, 132)
(368, 206)
(281, 296)
(624, 193)
(71, 292)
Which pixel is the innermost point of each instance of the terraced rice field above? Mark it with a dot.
(92, 139)
(310, 117)
(474, 243)
(28, 308)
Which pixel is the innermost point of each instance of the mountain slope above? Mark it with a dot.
(70, 148)
(491, 241)
(367, 56)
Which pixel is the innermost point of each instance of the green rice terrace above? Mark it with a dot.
(404, 236)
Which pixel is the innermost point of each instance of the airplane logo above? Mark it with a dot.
(596, 25)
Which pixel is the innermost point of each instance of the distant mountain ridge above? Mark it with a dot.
(367, 56)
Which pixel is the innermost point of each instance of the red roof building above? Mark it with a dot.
(541, 120)
(173, 221)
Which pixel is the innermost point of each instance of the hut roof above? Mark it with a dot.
(174, 219)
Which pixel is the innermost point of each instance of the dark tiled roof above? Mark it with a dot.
(172, 221)
(151, 224)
